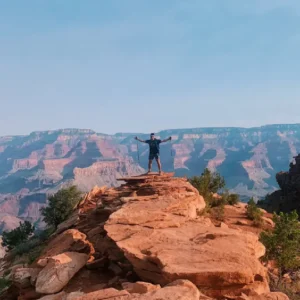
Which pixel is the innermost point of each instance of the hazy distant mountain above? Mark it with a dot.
(33, 165)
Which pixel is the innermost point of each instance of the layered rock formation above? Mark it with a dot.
(287, 198)
(146, 239)
(42, 162)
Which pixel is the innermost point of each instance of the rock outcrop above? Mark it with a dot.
(59, 271)
(147, 240)
(287, 198)
(164, 239)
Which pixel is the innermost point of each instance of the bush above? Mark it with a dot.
(230, 199)
(43, 235)
(233, 199)
(218, 213)
(254, 213)
(61, 206)
(207, 184)
(26, 247)
(4, 283)
(17, 236)
(282, 244)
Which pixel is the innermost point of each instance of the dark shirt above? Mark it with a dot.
(153, 146)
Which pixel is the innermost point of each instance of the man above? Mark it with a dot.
(153, 150)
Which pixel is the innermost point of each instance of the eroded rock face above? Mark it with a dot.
(266, 296)
(151, 229)
(59, 296)
(111, 294)
(59, 271)
(178, 290)
(25, 277)
(71, 240)
(165, 240)
(140, 287)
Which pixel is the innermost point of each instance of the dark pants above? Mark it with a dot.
(153, 155)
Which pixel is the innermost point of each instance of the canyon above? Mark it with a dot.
(38, 164)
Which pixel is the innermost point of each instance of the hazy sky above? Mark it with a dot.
(146, 65)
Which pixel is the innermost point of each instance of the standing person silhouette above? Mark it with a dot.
(153, 150)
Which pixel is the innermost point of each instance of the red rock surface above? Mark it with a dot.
(164, 239)
(149, 229)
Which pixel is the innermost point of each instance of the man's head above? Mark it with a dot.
(152, 136)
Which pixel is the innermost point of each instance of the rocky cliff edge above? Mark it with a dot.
(146, 239)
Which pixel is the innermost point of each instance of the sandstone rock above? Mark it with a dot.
(268, 221)
(70, 222)
(74, 295)
(28, 294)
(165, 240)
(242, 222)
(115, 269)
(98, 263)
(25, 277)
(111, 294)
(59, 271)
(178, 290)
(71, 240)
(223, 225)
(42, 262)
(59, 296)
(139, 287)
(265, 296)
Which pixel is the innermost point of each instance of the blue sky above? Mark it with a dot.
(146, 65)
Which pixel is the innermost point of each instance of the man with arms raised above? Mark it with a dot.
(153, 150)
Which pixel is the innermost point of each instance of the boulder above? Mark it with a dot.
(165, 240)
(178, 290)
(242, 222)
(111, 294)
(42, 262)
(59, 271)
(268, 221)
(28, 294)
(139, 287)
(71, 240)
(265, 296)
(69, 223)
(59, 296)
(74, 295)
(25, 277)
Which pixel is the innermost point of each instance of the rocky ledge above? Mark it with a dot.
(146, 239)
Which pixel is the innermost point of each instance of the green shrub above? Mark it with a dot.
(35, 254)
(233, 199)
(254, 213)
(43, 235)
(218, 213)
(230, 199)
(61, 206)
(282, 244)
(4, 283)
(26, 247)
(17, 236)
(207, 184)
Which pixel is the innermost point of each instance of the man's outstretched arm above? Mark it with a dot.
(165, 140)
(142, 141)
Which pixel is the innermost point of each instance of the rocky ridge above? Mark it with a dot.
(146, 239)
(287, 198)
